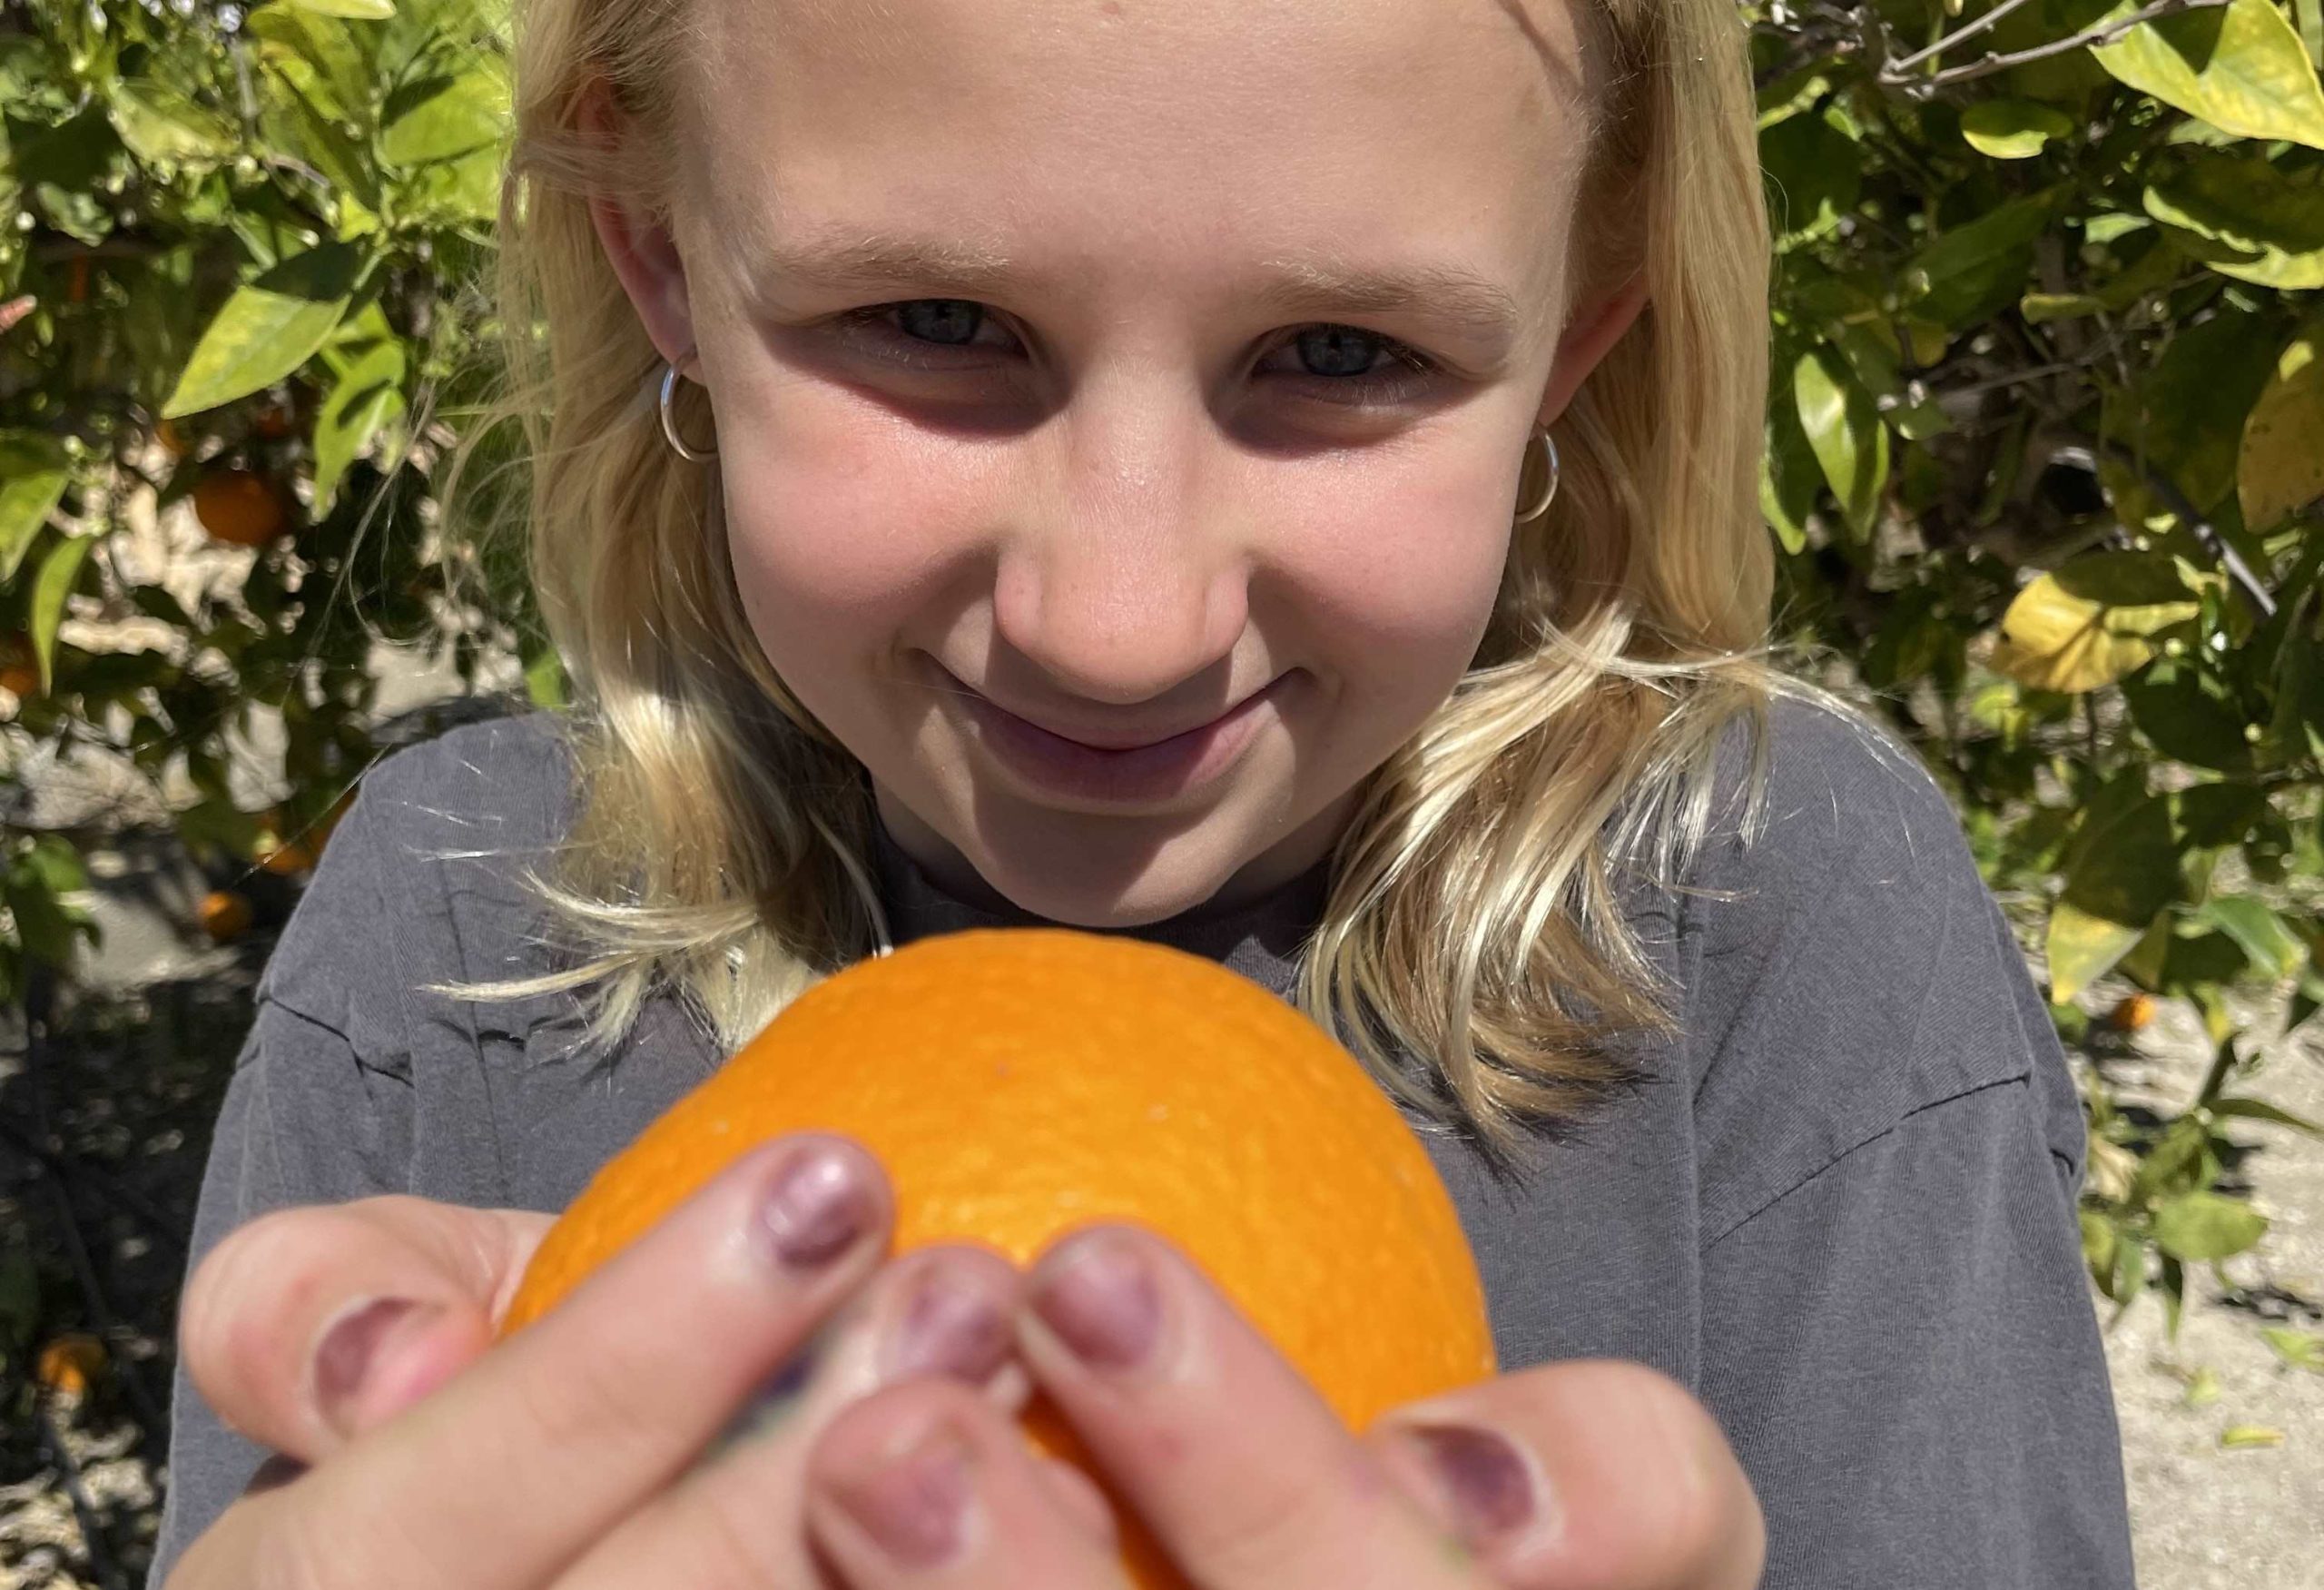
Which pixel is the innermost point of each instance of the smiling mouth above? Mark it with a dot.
(1115, 738)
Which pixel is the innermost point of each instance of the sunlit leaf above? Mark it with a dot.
(2090, 623)
(1845, 431)
(50, 586)
(2269, 223)
(2012, 129)
(2239, 1438)
(2301, 1350)
(357, 10)
(267, 329)
(2204, 1227)
(34, 473)
(2273, 948)
(362, 398)
(2240, 67)
(441, 118)
(2280, 467)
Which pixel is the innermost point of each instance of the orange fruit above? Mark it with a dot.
(224, 914)
(19, 665)
(1017, 1083)
(2133, 1014)
(70, 1363)
(286, 860)
(239, 507)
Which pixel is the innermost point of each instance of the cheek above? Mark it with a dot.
(1399, 563)
(833, 531)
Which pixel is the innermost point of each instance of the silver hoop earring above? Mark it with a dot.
(1549, 491)
(669, 421)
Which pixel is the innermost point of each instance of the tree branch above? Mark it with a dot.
(1896, 73)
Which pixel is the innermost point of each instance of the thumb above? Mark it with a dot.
(309, 1326)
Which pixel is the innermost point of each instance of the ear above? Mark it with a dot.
(640, 248)
(1589, 337)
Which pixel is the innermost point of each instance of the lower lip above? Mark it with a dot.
(1176, 766)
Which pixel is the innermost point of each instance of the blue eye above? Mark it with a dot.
(1345, 364)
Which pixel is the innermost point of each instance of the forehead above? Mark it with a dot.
(1171, 130)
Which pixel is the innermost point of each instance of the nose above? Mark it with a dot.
(1123, 575)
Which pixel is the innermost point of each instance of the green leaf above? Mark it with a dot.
(545, 679)
(2240, 67)
(2012, 129)
(2039, 308)
(43, 926)
(2268, 223)
(2301, 1350)
(1845, 431)
(2273, 948)
(2190, 713)
(1974, 271)
(53, 860)
(2279, 469)
(2192, 406)
(1816, 172)
(2122, 869)
(1789, 476)
(441, 118)
(50, 586)
(2205, 1227)
(2261, 1110)
(162, 126)
(365, 394)
(267, 329)
(357, 10)
(34, 472)
(2090, 622)
(2237, 1438)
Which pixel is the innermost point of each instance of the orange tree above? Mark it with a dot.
(2044, 445)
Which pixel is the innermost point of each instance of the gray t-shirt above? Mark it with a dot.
(1839, 1205)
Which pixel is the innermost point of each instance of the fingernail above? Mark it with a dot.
(1102, 1301)
(949, 1328)
(344, 1357)
(1486, 1479)
(815, 1208)
(915, 1508)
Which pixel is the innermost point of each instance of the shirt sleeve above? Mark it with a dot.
(309, 1117)
(1934, 1410)
(1897, 1332)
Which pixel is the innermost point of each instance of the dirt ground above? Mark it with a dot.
(105, 1109)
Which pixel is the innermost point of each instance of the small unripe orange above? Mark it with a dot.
(224, 914)
(2133, 1014)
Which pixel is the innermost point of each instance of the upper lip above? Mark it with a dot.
(1114, 737)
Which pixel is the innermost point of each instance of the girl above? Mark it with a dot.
(1272, 479)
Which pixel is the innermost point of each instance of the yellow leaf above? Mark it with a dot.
(2012, 129)
(2081, 948)
(2237, 1436)
(2240, 67)
(2280, 467)
(2078, 628)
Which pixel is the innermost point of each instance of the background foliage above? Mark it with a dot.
(2044, 449)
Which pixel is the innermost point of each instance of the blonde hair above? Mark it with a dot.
(1475, 916)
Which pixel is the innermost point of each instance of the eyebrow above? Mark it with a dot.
(1451, 295)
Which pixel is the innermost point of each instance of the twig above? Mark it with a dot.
(1894, 75)
(2238, 573)
(84, 1511)
(1956, 36)
(64, 1167)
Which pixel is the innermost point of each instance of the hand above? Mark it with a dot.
(585, 1451)
(1593, 1474)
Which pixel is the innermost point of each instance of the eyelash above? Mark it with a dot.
(1376, 390)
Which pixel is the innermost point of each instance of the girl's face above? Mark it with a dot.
(1122, 367)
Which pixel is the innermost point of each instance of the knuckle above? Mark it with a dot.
(1274, 1523)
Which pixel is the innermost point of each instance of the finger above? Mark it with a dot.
(307, 1326)
(736, 1519)
(925, 1486)
(1245, 1477)
(1583, 1474)
(543, 1446)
